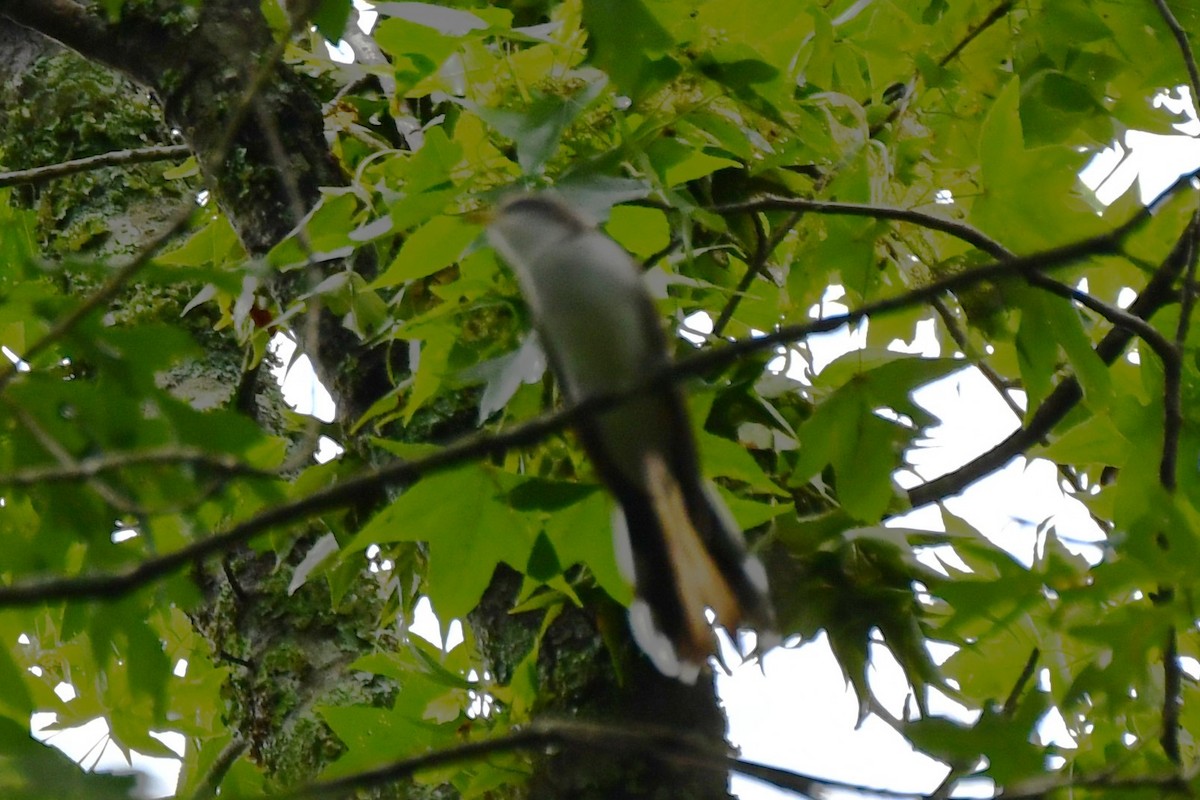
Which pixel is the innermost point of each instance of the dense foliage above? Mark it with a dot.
(164, 524)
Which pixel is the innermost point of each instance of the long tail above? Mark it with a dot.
(685, 555)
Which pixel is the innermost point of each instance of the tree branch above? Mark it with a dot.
(763, 249)
(113, 585)
(676, 749)
(1168, 352)
(972, 236)
(995, 15)
(114, 158)
(87, 468)
(108, 493)
(1119, 317)
(1185, 48)
(1172, 699)
(1101, 244)
(1173, 375)
(210, 782)
(667, 746)
(960, 338)
(958, 230)
(1157, 292)
(66, 22)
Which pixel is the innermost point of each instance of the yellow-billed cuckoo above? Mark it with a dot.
(675, 539)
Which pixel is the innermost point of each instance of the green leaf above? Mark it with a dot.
(677, 163)
(543, 560)
(376, 736)
(641, 231)
(327, 233)
(1008, 743)
(434, 246)
(578, 522)
(750, 514)
(1037, 352)
(773, 33)
(628, 42)
(582, 534)
(1068, 330)
(1095, 441)
(889, 378)
(863, 450)
(536, 130)
(216, 244)
(416, 50)
(1031, 200)
(728, 459)
(330, 17)
(417, 209)
(30, 770)
(456, 512)
(16, 700)
(431, 371)
(428, 169)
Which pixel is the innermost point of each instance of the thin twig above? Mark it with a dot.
(762, 253)
(87, 468)
(101, 297)
(1027, 673)
(1101, 244)
(54, 448)
(114, 158)
(1065, 470)
(312, 318)
(995, 15)
(1172, 368)
(114, 585)
(958, 230)
(1185, 48)
(994, 378)
(210, 782)
(960, 770)
(1173, 378)
(754, 266)
(964, 344)
(1119, 317)
(972, 236)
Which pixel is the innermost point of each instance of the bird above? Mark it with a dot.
(674, 537)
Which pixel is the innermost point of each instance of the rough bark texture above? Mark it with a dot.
(291, 651)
